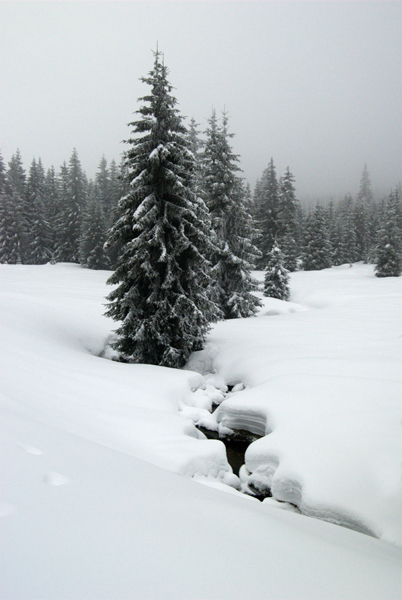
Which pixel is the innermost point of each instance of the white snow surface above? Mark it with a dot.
(323, 380)
(91, 505)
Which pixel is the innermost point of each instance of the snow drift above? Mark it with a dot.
(83, 511)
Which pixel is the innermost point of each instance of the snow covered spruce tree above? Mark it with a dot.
(276, 280)
(93, 232)
(52, 204)
(317, 252)
(40, 249)
(195, 145)
(345, 248)
(9, 242)
(14, 239)
(288, 223)
(115, 191)
(389, 246)
(72, 202)
(234, 255)
(365, 212)
(266, 209)
(162, 274)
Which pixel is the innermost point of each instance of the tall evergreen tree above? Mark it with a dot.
(276, 279)
(317, 251)
(9, 242)
(116, 189)
(162, 274)
(267, 212)
(389, 244)
(40, 237)
(116, 192)
(72, 203)
(365, 194)
(364, 213)
(15, 238)
(2, 174)
(16, 176)
(93, 231)
(333, 228)
(288, 226)
(51, 205)
(345, 248)
(64, 247)
(103, 190)
(195, 145)
(234, 255)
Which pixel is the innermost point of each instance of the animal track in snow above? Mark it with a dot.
(30, 449)
(56, 479)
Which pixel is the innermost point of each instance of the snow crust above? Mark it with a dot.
(91, 505)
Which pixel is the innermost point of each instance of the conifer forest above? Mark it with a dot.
(181, 229)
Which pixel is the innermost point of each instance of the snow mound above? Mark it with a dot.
(302, 458)
(323, 388)
(234, 414)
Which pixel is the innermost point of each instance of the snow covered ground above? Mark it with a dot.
(91, 505)
(322, 376)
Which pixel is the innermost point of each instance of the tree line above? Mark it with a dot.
(181, 230)
(58, 217)
(65, 217)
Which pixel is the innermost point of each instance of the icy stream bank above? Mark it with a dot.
(323, 390)
(244, 430)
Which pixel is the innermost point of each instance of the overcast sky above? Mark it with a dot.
(315, 85)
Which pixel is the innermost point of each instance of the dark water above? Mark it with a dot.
(236, 446)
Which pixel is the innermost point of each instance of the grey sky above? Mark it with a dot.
(315, 85)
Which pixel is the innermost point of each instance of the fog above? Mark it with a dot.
(315, 85)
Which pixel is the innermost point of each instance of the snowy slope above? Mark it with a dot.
(83, 517)
(52, 333)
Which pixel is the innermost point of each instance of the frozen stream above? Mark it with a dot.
(236, 445)
(240, 426)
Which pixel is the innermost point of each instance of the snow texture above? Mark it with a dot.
(324, 383)
(86, 510)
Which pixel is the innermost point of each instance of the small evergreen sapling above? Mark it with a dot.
(276, 280)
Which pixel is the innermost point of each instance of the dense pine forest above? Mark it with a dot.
(49, 215)
(62, 216)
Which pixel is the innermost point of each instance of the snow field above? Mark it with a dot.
(85, 514)
(119, 527)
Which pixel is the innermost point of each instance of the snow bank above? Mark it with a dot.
(324, 383)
